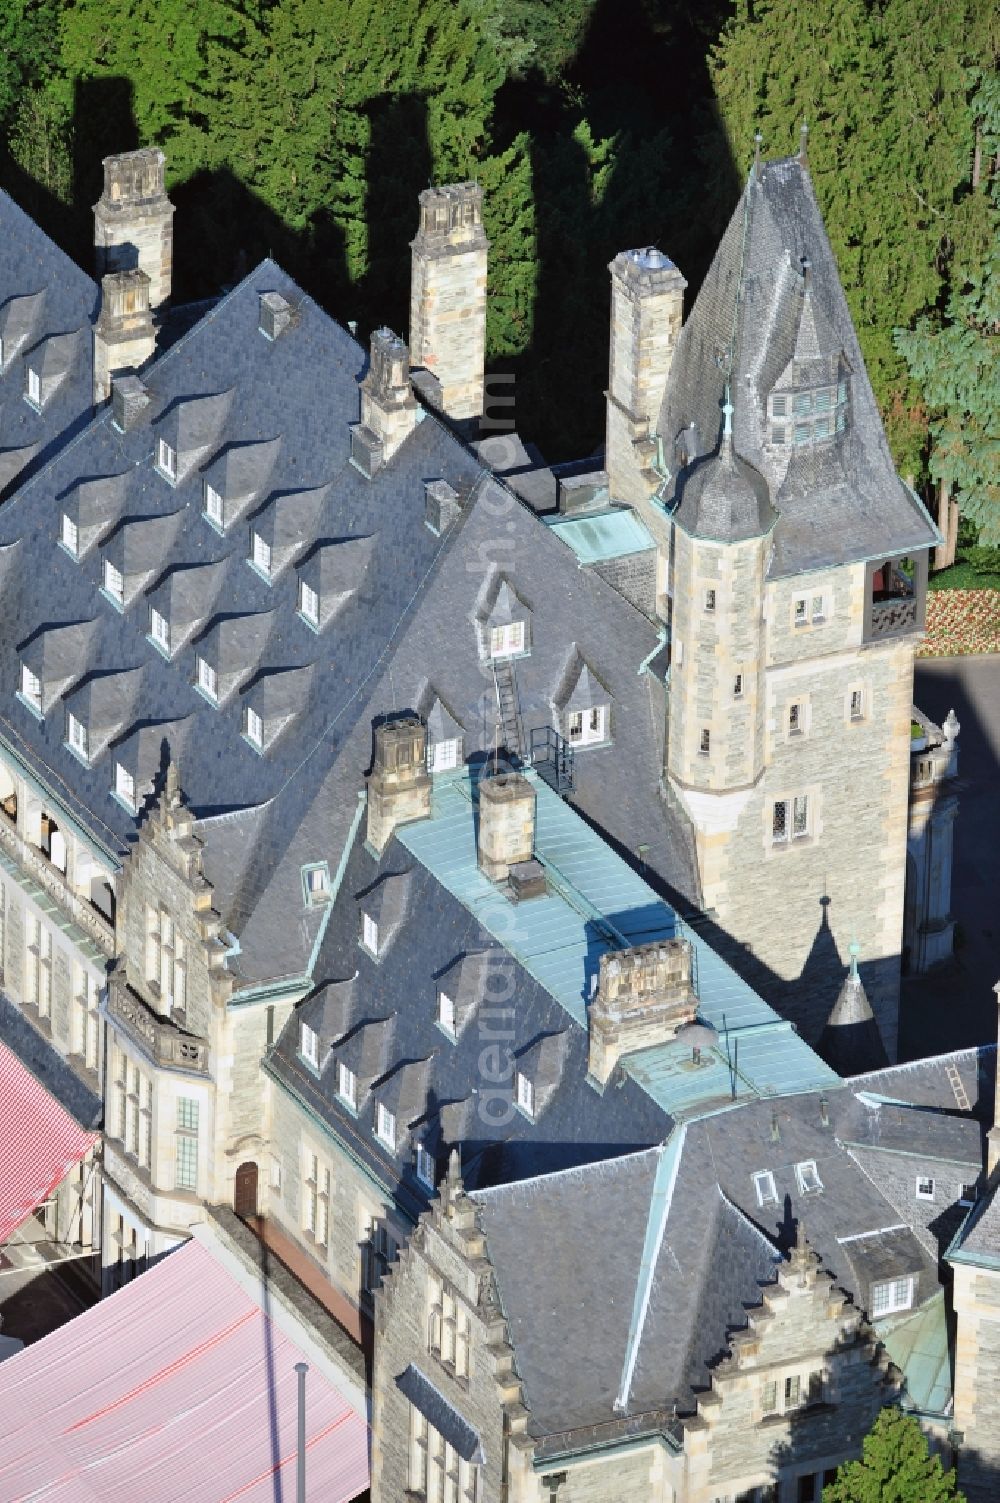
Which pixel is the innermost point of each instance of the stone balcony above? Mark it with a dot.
(161, 1039)
(891, 618)
(80, 909)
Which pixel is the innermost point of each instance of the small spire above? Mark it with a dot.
(804, 145)
(806, 265)
(727, 418)
(854, 950)
(758, 141)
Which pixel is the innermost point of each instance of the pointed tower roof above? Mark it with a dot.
(722, 497)
(851, 1043)
(772, 305)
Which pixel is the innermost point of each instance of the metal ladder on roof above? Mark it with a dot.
(508, 706)
(955, 1081)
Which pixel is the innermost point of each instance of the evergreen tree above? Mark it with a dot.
(896, 1468)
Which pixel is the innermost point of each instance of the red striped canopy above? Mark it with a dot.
(39, 1143)
(177, 1387)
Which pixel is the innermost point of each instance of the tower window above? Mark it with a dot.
(857, 704)
(794, 719)
(738, 686)
(800, 815)
(710, 600)
(706, 741)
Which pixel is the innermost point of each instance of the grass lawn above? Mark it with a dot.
(973, 569)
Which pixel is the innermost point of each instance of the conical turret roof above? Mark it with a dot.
(851, 1043)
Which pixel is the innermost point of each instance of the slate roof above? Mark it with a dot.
(256, 416)
(621, 1280)
(759, 321)
(47, 307)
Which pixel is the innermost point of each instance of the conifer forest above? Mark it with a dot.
(304, 129)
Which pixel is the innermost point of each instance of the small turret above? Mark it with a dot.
(851, 1043)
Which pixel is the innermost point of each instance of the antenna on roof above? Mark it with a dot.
(803, 145)
(758, 141)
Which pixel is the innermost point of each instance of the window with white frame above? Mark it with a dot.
(159, 628)
(507, 640)
(213, 505)
(70, 535)
(317, 883)
(585, 727)
(186, 1144)
(76, 736)
(449, 1327)
(425, 1166)
(208, 679)
(166, 459)
(124, 785)
(347, 1085)
(890, 1296)
(925, 1187)
(807, 1177)
(261, 553)
(31, 688)
(166, 967)
(790, 818)
(763, 1183)
(308, 603)
(33, 387)
(435, 1470)
(86, 1018)
(447, 1016)
(38, 966)
(525, 1094)
(114, 582)
(385, 1126)
(253, 727)
(309, 1044)
(442, 756)
(133, 1097)
(316, 1197)
(817, 608)
(369, 933)
(769, 1397)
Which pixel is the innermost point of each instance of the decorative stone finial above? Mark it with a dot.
(804, 144)
(727, 417)
(172, 790)
(951, 727)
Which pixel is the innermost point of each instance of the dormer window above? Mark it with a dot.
(525, 1094)
(347, 1085)
(114, 582)
(586, 727)
(893, 1295)
(806, 417)
(308, 603)
(70, 536)
(446, 1013)
(425, 1167)
(31, 688)
(253, 728)
(385, 1127)
(442, 756)
(76, 736)
(33, 387)
(166, 460)
(507, 640)
(316, 881)
(208, 680)
(159, 629)
(807, 1178)
(260, 554)
(213, 505)
(763, 1183)
(124, 785)
(369, 933)
(309, 1045)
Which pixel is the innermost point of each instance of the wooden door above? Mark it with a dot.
(245, 1195)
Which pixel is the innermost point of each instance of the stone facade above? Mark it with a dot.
(448, 295)
(123, 335)
(133, 221)
(976, 1296)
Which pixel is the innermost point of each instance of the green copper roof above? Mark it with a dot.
(919, 1348)
(611, 534)
(595, 902)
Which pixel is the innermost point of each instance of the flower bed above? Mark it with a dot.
(961, 621)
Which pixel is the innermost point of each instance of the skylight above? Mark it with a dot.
(807, 1177)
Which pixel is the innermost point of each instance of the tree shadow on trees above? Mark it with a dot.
(641, 77)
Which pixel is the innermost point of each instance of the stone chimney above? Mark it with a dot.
(123, 335)
(647, 305)
(448, 295)
(133, 221)
(389, 409)
(399, 785)
(644, 995)
(129, 400)
(993, 1136)
(506, 823)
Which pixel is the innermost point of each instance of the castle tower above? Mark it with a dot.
(647, 303)
(448, 295)
(123, 335)
(133, 221)
(793, 567)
